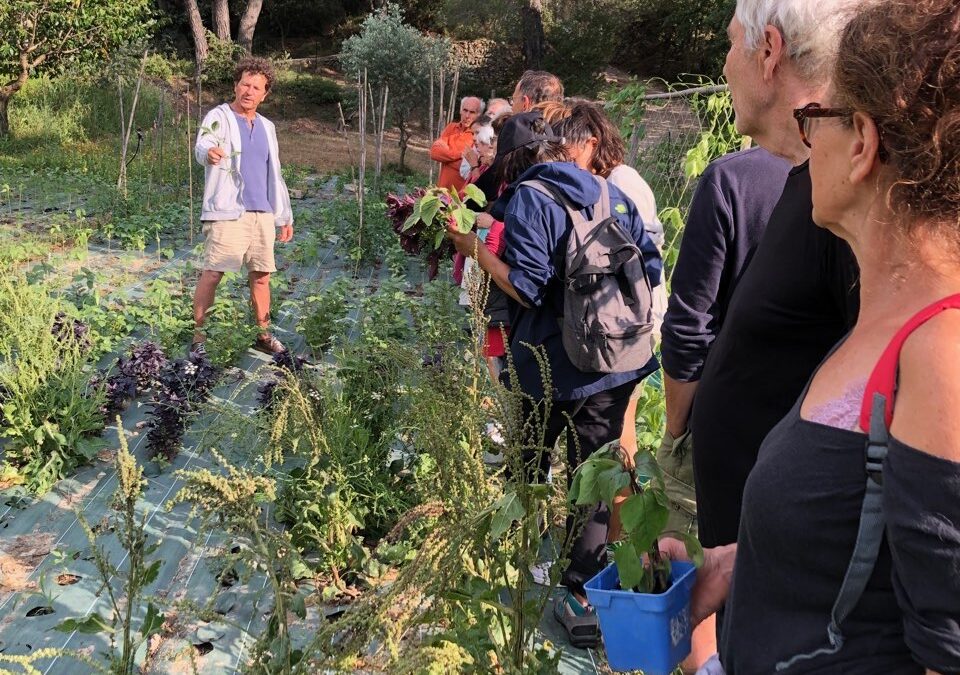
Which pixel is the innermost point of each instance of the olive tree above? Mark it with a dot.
(45, 36)
(397, 56)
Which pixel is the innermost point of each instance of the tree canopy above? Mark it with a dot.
(47, 36)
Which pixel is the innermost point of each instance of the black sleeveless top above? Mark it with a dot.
(801, 510)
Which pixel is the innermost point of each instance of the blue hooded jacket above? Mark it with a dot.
(536, 229)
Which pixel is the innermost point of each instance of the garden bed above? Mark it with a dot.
(214, 607)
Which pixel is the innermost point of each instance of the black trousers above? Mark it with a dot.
(597, 420)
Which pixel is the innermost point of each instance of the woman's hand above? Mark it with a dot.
(466, 244)
(713, 579)
(472, 157)
(487, 152)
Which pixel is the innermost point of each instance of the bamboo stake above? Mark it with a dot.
(440, 115)
(382, 130)
(160, 121)
(190, 169)
(430, 123)
(453, 96)
(362, 98)
(122, 178)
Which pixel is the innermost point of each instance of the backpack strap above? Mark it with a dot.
(545, 188)
(876, 416)
(601, 212)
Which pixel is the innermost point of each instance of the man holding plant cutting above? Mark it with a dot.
(245, 199)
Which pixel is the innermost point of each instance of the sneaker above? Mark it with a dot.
(268, 344)
(541, 573)
(579, 621)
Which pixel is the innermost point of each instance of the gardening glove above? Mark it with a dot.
(675, 457)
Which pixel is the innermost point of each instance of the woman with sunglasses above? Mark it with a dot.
(848, 556)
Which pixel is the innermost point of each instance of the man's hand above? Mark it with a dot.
(712, 586)
(286, 233)
(214, 155)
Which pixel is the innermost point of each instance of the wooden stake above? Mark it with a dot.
(430, 123)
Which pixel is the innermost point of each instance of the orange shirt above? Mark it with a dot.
(448, 150)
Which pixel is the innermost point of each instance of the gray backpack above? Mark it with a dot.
(607, 299)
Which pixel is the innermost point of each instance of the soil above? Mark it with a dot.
(19, 557)
(307, 141)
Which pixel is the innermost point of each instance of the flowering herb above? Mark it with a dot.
(119, 390)
(421, 220)
(144, 365)
(182, 385)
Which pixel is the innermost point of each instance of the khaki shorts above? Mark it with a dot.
(675, 458)
(230, 244)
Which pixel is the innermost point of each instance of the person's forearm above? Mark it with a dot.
(441, 151)
(498, 270)
(679, 399)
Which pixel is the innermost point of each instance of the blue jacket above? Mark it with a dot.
(536, 229)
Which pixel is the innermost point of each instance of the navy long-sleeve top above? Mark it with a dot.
(729, 212)
(536, 230)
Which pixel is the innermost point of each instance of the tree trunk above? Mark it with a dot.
(248, 24)
(533, 37)
(221, 19)
(404, 140)
(4, 118)
(200, 48)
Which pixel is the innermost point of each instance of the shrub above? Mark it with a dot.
(221, 59)
(51, 415)
(314, 89)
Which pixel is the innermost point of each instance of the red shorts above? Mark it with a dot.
(493, 344)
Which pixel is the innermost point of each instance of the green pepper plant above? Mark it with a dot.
(609, 472)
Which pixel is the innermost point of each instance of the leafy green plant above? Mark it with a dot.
(322, 314)
(605, 475)
(421, 219)
(51, 414)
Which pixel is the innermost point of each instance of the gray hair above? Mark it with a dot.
(483, 106)
(498, 107)
(810, 28)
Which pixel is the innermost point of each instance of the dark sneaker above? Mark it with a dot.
(198, 350)
(268, 344)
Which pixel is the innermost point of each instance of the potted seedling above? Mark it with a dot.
(642, 600)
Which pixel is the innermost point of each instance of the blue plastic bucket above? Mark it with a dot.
(643, 631)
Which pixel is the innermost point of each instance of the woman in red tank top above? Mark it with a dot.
(885, 170)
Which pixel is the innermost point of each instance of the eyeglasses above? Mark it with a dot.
(812, 111)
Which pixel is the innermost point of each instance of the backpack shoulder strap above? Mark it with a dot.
(876, 415)
(575, 215)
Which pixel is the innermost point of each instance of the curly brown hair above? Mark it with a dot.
(255, 65)
(587, 119)
(899, 62)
